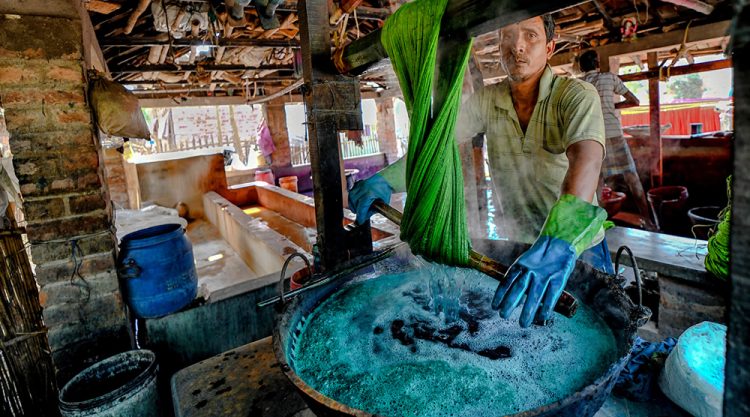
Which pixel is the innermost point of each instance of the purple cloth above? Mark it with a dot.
(265, 141)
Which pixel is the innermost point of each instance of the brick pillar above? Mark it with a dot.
(57, 161)
(387, 129)
(276, 118)
(114, 169)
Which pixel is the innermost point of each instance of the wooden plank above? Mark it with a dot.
(102, 7)
(654, 122)
(681, 70)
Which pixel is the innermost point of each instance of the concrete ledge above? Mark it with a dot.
(260, 247)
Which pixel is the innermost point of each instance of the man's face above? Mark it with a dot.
(524, 49)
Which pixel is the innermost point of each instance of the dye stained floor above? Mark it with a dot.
(247, 381)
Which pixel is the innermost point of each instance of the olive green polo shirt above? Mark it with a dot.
(528, 170)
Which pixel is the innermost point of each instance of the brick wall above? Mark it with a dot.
(114, 170)
(57, 161)
(387, 129)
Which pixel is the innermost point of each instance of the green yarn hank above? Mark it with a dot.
(434, 222)
(717, 259)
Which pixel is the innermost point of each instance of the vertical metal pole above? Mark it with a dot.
(655, 121)
(737, 386)
(333, 104)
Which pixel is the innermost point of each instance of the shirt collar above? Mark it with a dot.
(545, 87)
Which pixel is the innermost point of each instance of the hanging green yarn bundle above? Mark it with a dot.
(434, 220)
(717, 259)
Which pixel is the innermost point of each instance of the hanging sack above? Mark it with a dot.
(117, 110)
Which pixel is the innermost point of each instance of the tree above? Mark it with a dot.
(686, 87)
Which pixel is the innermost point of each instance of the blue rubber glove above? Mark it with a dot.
(542, 271)
(365, 192)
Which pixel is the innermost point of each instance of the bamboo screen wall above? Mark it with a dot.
(27, 383)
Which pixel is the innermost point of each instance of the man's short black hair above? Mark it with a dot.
(549, 26)
(588, 61)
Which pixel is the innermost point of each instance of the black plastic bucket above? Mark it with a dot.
(703, 220)
(123, 385)
(668, 206)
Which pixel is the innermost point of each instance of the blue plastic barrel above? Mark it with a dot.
(157, 270)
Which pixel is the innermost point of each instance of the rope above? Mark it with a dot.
(717, 259)
(434, 220)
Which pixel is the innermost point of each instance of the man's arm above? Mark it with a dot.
(585, 163)
(630, 101)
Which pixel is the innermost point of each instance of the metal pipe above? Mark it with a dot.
(283, 273)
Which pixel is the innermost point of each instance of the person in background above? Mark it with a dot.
(618, 159)
(545, 143)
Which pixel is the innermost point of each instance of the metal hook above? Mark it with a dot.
(283, 273)
(644, 312)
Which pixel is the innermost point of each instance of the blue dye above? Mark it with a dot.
(411, 344)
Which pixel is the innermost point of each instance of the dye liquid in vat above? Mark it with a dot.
(418, 344)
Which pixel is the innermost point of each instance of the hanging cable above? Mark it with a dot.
(638, 14)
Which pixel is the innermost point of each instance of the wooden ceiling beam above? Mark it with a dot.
(680, 70)
(127, 41)
(652, 43)
(215, 81)
(182, 68)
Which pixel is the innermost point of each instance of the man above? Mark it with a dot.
(618, 161)
(545, 142)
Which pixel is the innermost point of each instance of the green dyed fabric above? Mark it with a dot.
(717, 259)
(574, 221)
(434, 221)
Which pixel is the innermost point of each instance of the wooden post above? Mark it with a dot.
(333, 104)
(737, 385)
(655, 122)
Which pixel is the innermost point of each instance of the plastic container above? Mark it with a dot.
(289, 183)
(703, 220)
(668, 206)
(157, 270)
(123, 385)
(693, 375)
(265, 175)
(612, 201)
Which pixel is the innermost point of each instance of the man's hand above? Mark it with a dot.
(541, 274)
(542, 271)
(365, 193)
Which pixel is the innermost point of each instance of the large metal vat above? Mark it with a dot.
(591, 287)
